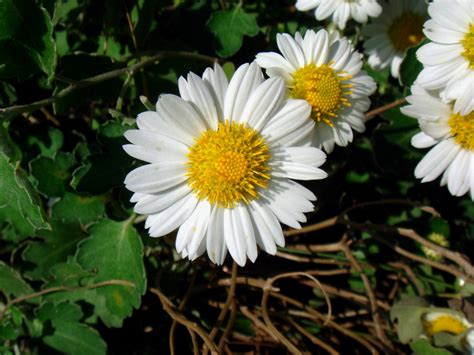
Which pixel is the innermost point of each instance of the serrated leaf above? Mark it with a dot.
(76, 339)
(115, 250)
(11, 282)
(229, 27)
(411, 67)
(76, 208)
(423, 347)
(17, 195)
(106, 170)
(392, 143)
(57, 245)
(26, 39)
(64, 312)
(52, 174)
(70, 336)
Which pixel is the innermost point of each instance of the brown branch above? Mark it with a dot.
(181, 307)
(225, 309)
(370, 294)
(6, 113)
(313, 339)
(312, 227)
(170, 309)
(448, 254)
(379, 110)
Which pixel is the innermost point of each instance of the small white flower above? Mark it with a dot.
(220, 158)
(452, 136)
(449, 322)
(449, 59)
(388, 37)
(327, 74)
(341, 10)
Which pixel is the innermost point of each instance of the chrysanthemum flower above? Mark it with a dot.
(327, 74)
(341, 10)
(221, 159)
(452, 136)
(449, 59)
(388, 37)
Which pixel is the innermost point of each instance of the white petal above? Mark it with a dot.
(263, 103)
(243, 83)
(218, 83)
(153, 203)
(291, 50)
(164, 222)
(191, 232)
(195, 91)
(179, 113)
(216, 246)
(233, 236)
(156, 177)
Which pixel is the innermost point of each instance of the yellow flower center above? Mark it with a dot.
(228, 165)
(445, 323)
(323, 88)
(406, 31)
(462, 129)
(468, 44)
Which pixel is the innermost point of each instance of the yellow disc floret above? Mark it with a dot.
(323, 88)
(445, 322)
(462, 129)
(406, 31)
(468, 44)
(228, 165)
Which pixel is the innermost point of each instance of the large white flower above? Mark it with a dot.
(388, 37)
(341, 10)
(452, 136)
(221, 159)
(449, 59)
(327, 73)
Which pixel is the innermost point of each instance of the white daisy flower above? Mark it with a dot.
(449, 59)
(221, 159)
(437, 321)
(327, 74)
(388, 37)
(341, 10)
(452, 136)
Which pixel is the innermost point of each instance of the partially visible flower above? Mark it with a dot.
(470, 340)
(438, 239)
(449, 59)
(452, 136)
(437, 322)
(341, 11)
(327, 74)
(220, 158)
(388, 37)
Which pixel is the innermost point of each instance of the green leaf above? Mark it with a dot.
(85, 209)
(69, 335)
(410, 67)
(423, 347)
(11, 283)
(115, 250)
(58, 244)
(229, 27)
(392, 143)
(105, 170)
(52, 174)
(18, 197)
(26, 39)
